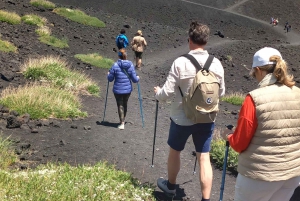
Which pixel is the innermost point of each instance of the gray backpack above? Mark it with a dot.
(202, 102)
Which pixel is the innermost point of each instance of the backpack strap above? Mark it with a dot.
(197, 65)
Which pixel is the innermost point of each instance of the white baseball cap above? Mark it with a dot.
(262, 56)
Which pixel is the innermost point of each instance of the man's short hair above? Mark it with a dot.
(199, 33)
(122, 31)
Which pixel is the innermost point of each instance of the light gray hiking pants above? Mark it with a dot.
(247, 189)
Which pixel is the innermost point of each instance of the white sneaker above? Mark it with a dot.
(121, 126)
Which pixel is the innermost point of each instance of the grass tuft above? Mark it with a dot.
(56, 71)
(95, 60)
(64, 182)
(45, 37)
(9, 17)
(6, 46)
(33, 19)
(42, 101)
(43, 4)
(7, 155)
(235, 98)
(79, 16)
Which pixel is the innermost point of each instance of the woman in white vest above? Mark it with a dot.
(267, 135)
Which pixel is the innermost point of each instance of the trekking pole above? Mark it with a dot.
(224, 166)
(105, 100)
(141, 104)
(224, 171)
(195, 165)
(155, 125)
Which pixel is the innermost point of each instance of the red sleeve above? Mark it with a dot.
(246, 126)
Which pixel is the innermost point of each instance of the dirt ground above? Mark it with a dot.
(245, 25)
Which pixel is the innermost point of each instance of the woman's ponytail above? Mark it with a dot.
(281, 73)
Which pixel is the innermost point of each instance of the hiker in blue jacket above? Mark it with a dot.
(122, 40)
(123, 73)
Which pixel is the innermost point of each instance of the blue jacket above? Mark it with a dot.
(125, 44)
(122, 84)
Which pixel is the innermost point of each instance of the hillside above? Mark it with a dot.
(164, 24)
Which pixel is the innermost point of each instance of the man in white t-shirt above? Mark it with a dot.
(181, 75)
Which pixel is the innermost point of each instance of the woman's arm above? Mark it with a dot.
(246, 126)
(111, 74)
(132, 74)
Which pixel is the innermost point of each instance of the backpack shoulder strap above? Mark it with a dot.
(196, 63)
(193, 60)
(208, 62)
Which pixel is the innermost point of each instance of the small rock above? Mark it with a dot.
(24, 146)
(74, 126)
(13, 122)
(62, 142)
(4, 110)
(45, 122)
(87, 128)
(7, 76)
(23, 167)
(25, 127)
(34, 130)
(13, 112)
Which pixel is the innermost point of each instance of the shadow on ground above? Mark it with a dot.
(108, 124)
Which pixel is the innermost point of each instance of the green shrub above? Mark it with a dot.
(93, 89)
(64, 182)
(79, 16)
(95, 60)
(56, 71)
(6, 46)
(43, 4)
(9, 17)
(7, 155)
(33, 19)
(42, 101)
(218, 153)
(234, 98)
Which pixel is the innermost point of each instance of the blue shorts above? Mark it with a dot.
(202, 136)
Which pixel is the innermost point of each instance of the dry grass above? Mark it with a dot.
(43, 30)
(6, 46)
(42, 3)
(9, 17)
(33, 19)
(42, 101)
(55, 70)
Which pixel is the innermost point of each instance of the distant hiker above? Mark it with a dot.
(276, 22)
(272, 19)
(138, 44)
(121, 40)
(288, 28)
(180, 79)
(122, 72)
(267, 135)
